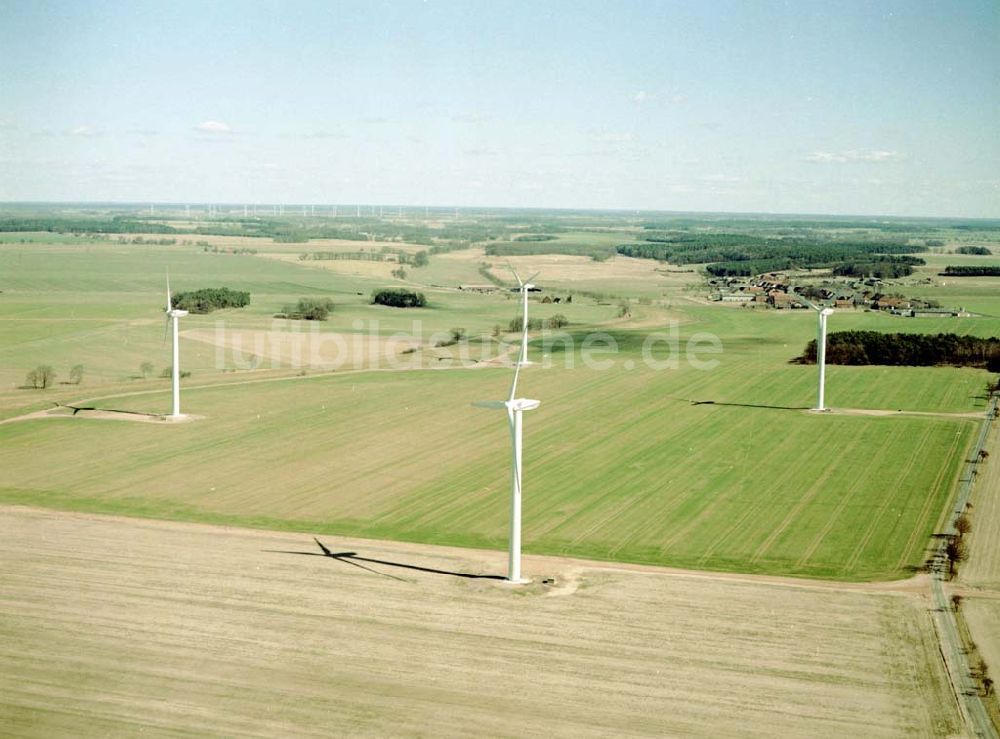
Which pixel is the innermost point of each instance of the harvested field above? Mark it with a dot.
(119, 626)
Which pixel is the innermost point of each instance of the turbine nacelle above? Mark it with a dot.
(517, 404)
(826, 312)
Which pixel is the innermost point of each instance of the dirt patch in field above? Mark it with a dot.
(353, 267)
(117, 626)
(568, 268)
(249, 349)
(103, 414)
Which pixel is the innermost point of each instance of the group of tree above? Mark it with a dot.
(44, 376)
(41, 377)
(538, 324)
(955, 549)
(456, 335)
(209, 299)
(965, 270)
(534, 237)
(398, 298)
(981, 251)
(308, 309)
(883, 266)
(911, 350)
(521, 248)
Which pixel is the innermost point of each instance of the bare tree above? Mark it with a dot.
(41, 377)
(983, 455)
(963, 525)
(76, 374)
(146, 368)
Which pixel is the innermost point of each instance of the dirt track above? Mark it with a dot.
(115, 626)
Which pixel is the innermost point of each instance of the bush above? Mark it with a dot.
(309, 309)
(978, 250)
(399, 298)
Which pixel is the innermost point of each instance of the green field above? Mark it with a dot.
(628, 462)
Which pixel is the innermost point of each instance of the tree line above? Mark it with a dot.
(908, 350)
(986, 270)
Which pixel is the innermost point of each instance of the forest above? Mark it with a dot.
(739, 255)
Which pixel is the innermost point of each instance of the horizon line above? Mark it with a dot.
(541, 209)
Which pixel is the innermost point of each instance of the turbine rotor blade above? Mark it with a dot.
(517, 371)
(516, 276)
(491, 404)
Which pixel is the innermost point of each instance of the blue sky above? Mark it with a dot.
(795, 107)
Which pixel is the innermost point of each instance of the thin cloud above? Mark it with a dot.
(854, 155)
(644, 96)
(327, 134)
(480, 152)
(214, 128)
(471, 118)
(84, 131)
(612, 137)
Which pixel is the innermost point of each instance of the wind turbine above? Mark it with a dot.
(515, 408)
(821, 314)
(173, 314)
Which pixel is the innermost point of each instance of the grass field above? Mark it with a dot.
(172, 629)
(620, 463)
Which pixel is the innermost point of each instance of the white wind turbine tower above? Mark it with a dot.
(821, 315)
(515, 408)
(173, 314)
(523, 288)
